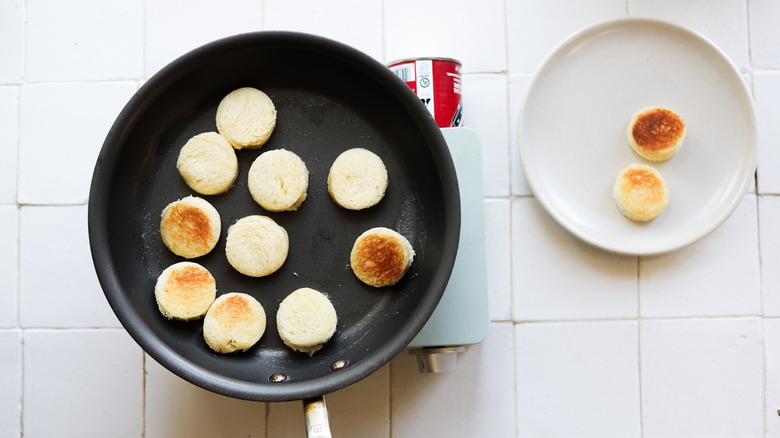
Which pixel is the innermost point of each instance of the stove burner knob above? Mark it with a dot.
(437, 359)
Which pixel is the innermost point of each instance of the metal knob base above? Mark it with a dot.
(438, 359)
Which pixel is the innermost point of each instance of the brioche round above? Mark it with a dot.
(380, 257)
(208, 164)
(306, 320)
(184, 291)
(235, 322)
(357, 179)
(190, 227)
(278, 180)
(256, 246)
(246, 117)
(640, 192)
(656, 133)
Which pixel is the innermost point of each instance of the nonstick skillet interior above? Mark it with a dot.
(329, 98)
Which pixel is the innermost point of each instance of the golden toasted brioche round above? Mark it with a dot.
(235, 322)
(381, 257)
(640, 192)
(357, 179)
(256, 246)
(208, 163)
(278, 180)
(246, 117)
(190, 227)
(656, 133)
(185, 291)
(306, 320)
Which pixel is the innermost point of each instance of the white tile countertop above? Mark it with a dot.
(583, 343)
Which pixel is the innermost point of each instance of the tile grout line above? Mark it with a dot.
(634, 319)
(516, 398)
(143, 353)
(389, 399)
(765, 410)
(262, 14)
(510, 199)
(389, 364)
(639, 370)
(383, 31)
(506, 72)
(761, 317)
(267, 418)
(22, 332)
(143, 393)
(143, 40)
(749, 41)
(758, 237)
(21, 384)
(639, 339)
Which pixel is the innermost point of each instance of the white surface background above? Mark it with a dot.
(582, 343)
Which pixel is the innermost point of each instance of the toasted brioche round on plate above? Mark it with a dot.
(640, 192)
(656, 133)
(190, 227)
(246, 117)
(256, 246)
(208, 164)
(184, 291)
(306, 320)
(235, 322)
(357, 179)
(278, 180)
(381, 256)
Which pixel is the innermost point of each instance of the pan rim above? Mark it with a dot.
(106, 268)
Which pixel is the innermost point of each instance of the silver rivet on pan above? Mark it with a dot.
(339, 364)
(278, 377)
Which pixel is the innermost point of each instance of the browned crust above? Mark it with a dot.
(232, 310)
(185, 223)
(657, 129)
(653, 188)
(379, 260)
(188, 279)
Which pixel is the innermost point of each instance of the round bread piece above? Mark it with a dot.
(640, 192)
(278, 180)
(656, 133)
(190, 227)
(357, 179)
(185, 291)
(208, 164)
(246, 117)
(306, 320)
(381, 257)
(256, 246)
(235, 322)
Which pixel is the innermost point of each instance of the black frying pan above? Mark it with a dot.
(329, 98)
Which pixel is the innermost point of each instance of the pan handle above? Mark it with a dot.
(316, 413)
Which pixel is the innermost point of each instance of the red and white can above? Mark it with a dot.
(436, 81)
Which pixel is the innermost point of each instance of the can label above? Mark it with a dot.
(437, 82)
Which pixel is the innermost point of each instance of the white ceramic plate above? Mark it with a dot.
(573, 142)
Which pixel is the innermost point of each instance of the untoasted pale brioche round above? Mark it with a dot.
(656, 133)
(246, 117)
(256, 246)
(381, 257)
(278, 180)
(357, 179)
(208, 164)
(235, 322)
(190, 227)
(184, 291)
(640, 192)
(306, 320)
